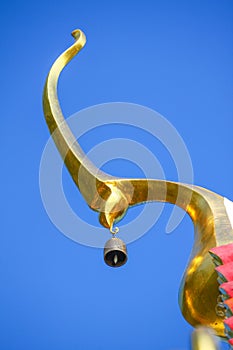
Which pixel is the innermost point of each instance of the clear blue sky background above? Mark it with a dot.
(172, 56)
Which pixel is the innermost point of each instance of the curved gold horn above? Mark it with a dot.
(112, 196)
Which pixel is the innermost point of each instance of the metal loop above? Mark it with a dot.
(114, 230)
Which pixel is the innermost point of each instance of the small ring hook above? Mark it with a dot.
(114, 230)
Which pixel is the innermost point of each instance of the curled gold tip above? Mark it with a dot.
(78, 35)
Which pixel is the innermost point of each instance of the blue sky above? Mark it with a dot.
(172, 56)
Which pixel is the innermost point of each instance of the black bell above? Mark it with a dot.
(115, 252)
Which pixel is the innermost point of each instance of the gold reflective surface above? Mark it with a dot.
(112, 197)
(203, 339)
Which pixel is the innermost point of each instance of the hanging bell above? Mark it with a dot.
(115, 252)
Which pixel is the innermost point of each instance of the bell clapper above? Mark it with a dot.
(115, 259)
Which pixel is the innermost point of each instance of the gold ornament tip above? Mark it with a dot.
(78, 35)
